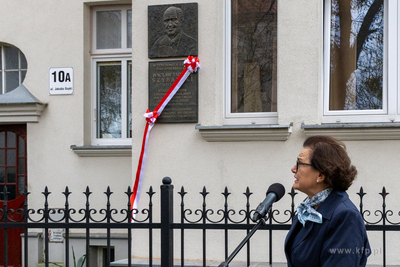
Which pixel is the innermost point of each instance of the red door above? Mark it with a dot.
(13, 175)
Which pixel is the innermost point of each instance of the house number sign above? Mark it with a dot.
(61, 81)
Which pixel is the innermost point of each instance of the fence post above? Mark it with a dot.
(167, 218)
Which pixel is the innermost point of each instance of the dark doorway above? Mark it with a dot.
(13, 177)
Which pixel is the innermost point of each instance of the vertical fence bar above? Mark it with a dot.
(46, 193)
(384, 194)
(182, 193)
(151, 193)
(204, 214)
(87, 216)
(5, 212)
(108, 193)
(26, 227)
(270, 238)
(226, 194)
(129, 208)
(167, 214)
(66, 214)
(248, 194)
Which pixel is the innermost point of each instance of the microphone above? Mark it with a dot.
(275, 192)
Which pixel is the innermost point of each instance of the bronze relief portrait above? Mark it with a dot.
(173, 30)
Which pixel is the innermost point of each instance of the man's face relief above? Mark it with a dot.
(172, 23)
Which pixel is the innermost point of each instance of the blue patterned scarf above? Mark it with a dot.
(305, 212)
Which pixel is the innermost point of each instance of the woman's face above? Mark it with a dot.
(306, 176)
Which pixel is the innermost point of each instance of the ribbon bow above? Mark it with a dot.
(151, 116)
(192, 63)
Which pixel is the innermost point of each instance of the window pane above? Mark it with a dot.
(2, 175)
(108, 29)
(2, 139)
(129, 29)
(21, 185)
(356, 65)
(11, 57)
(129, 100)
(24, 64)
(11, 157)
(21, 166)
(11, 192)
(21, 147)
(11, 139)
(11, 175)
(2, 157)
(23, 74)
(254, 62)
(12, 80)
(1, 82)
(109, 102)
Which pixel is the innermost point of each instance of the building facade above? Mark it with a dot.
(272, 73)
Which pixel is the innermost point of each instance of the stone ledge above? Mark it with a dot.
(355, 131)
(238, 133)
(102, 151)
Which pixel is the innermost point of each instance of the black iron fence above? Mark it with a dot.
(222, 219)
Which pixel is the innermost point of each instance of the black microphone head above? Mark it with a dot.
(278, 189)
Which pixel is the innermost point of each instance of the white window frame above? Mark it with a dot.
(3, 70)
(231, 118)
(390, 111)
(124, 140)
(124, 29)
(123, 55)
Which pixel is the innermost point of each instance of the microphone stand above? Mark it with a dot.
(245, 240)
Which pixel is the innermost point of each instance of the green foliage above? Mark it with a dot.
(81, 260)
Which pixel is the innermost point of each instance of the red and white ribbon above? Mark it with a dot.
(191, 65)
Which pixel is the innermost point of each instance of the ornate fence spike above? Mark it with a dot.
(46, 192)
(182, 193)
(66, 193)
(384, 193)
(108, 192)
(151, 192)
(226, 193)
(87, 194)
(5, 193)
(204, 193)
(129, 192)
(292, 193)
(361, 193)
(247, 193)
(26, 193)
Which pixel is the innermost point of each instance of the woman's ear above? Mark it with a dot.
(320, 178)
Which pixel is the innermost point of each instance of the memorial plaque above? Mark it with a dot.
(183, 106)
(172, 30)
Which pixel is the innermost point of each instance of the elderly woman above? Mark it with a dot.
(328, 229)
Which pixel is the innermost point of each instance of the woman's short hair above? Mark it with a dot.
(329, 157)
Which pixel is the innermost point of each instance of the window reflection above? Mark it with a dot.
(254, 32)
(356, 66)
(109, 102)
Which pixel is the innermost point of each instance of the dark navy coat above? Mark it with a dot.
(340, 241)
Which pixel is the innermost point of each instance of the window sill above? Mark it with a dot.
(355, 131)
(237, 133)
(102, 151)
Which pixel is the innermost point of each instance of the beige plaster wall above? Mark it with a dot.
(55, 34)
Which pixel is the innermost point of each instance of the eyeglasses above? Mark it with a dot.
(301, 163)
